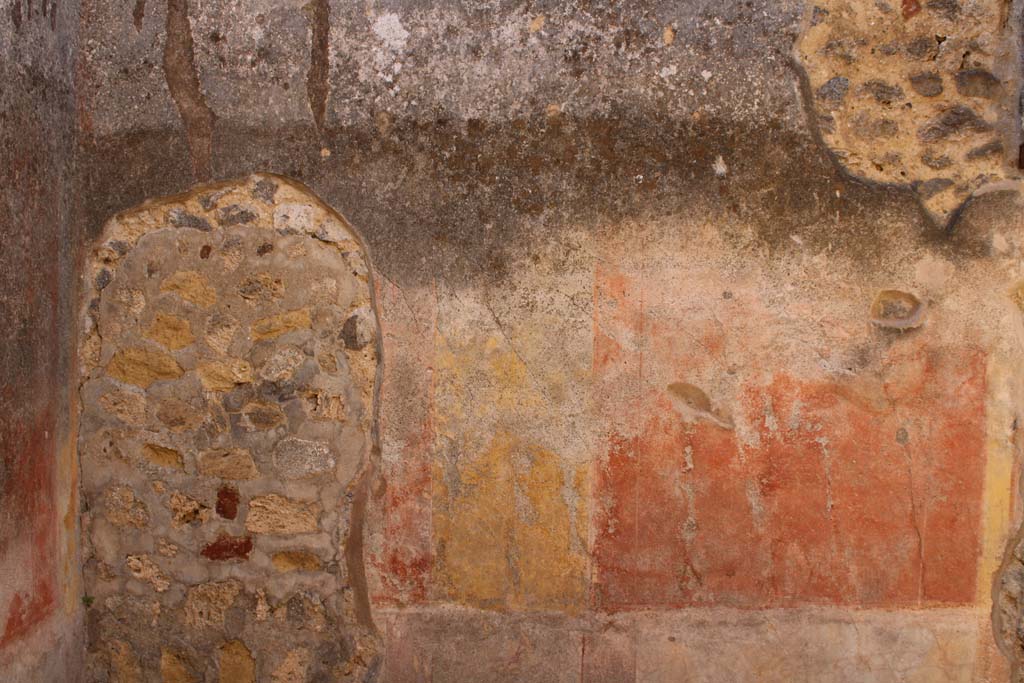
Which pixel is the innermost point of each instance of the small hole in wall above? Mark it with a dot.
(264, 249)
(204, 253)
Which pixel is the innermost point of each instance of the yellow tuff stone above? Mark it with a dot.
(275, 514)
(192, 287)
(224, 375)
(236, 663)
(276, 325)
(170, 331)
(173, 669)
(295, 560)
(124, 665)
(142, 367)
(163, 456)
(228, 463)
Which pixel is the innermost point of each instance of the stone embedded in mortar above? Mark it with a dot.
(264, 190)
(258, 416)
(224, 375)
(295, 561)
(903, 68)
(922, 47)
(282, 323)
(142, 367)
(871, 127)
(835, 89)
(952, 121)
(282, 364)
(227, 502)
(930, 188)
(884, 93)
(235, 663)
(977, 83)
(297, 458)
(228, 463)
(274, 514)
(948, 9)
(254, 320)
(228, 547)
(128, 405)
(220, 330)
(146, 570)
(991, 148)
(305, 611)
(170, 331)
(325, 406)
(186, 510)
(162, 456)
(192, 287)
(174, 669)
(261, 287)
(926, 83)
(179, 416)
(206, 604)
(293, 218)
(123, 509)
(293, 668)
(235, 215)
(180, 218)
(936, 162)
(124, 664)
(103, 278)
(358, 330)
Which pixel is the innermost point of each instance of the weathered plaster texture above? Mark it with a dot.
(230, 365)
(39, 608)
(699, 348)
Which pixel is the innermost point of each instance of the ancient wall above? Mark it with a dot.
(685, 375)
(699, 344)
(229, 372)
(40, 612)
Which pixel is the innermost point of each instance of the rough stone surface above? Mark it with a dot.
(963, 81)
(207, 390)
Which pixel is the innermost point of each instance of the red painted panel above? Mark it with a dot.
(863, 490)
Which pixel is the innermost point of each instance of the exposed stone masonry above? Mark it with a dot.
(229, 370)
(916, 92)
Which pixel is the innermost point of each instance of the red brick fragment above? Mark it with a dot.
(227, 502)
(229, 548)
(910, 8)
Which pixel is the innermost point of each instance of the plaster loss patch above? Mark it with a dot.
(226, 422)
(918, 93)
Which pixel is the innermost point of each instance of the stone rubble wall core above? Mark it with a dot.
(229, 367)
(924, 94)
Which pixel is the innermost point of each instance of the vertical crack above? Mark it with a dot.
(316, 79)
(183, 82)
